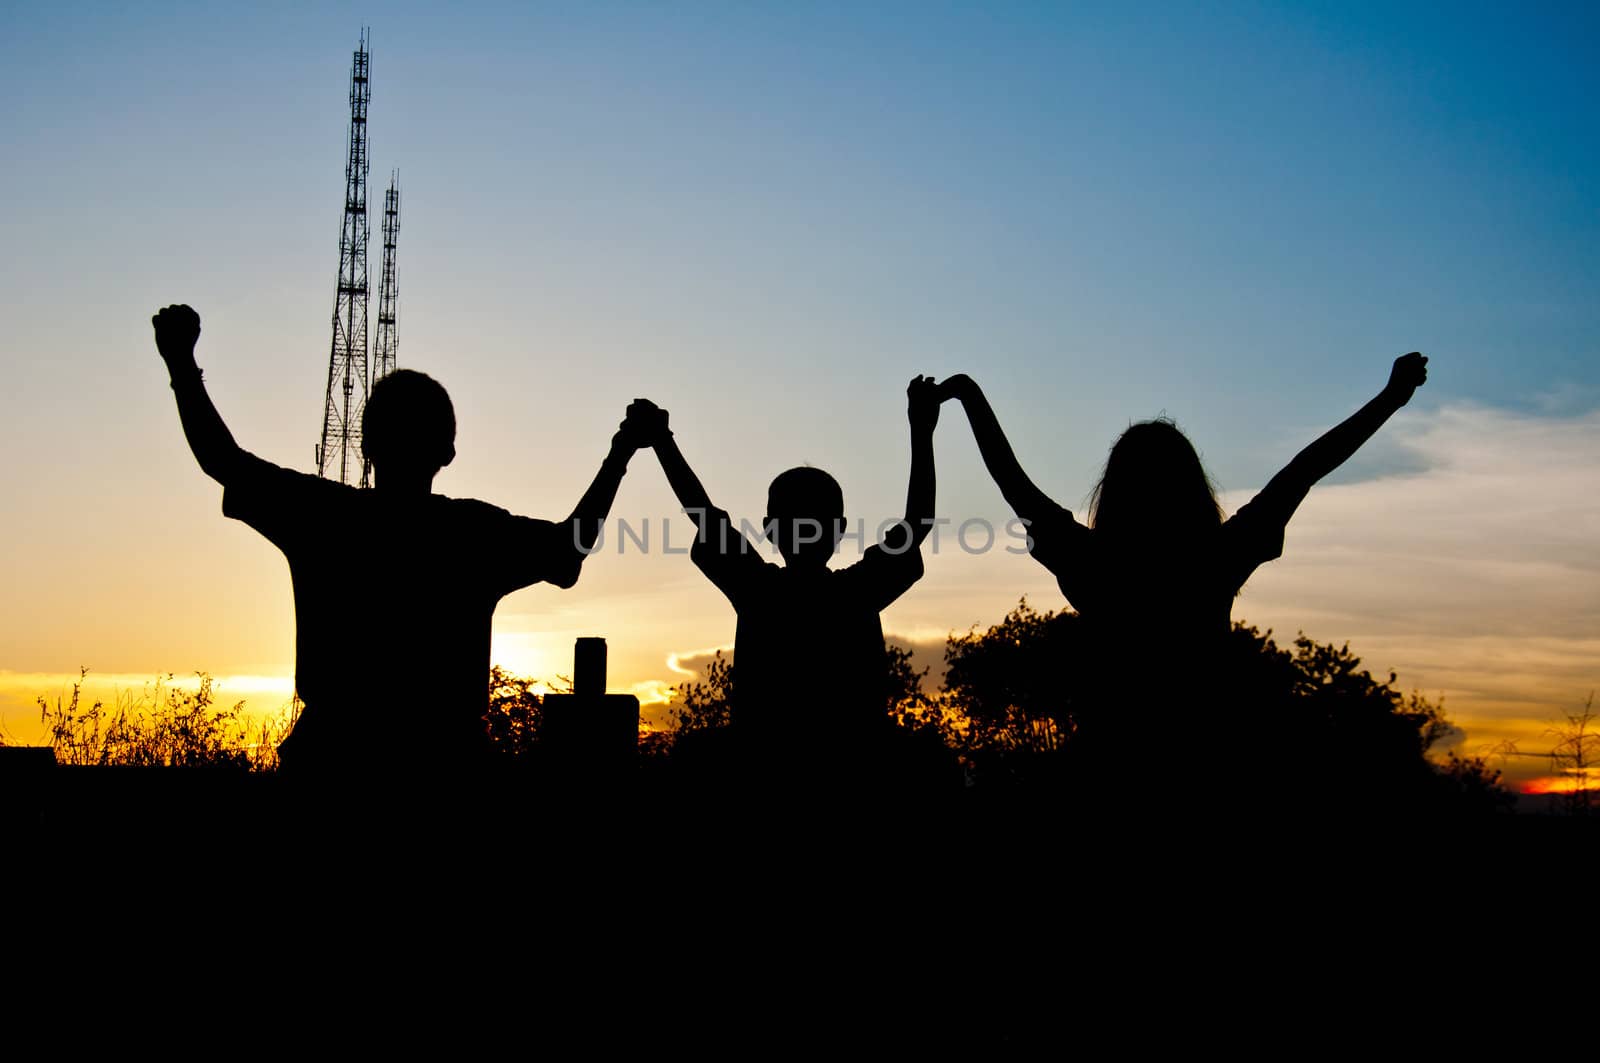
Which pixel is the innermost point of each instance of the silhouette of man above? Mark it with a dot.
(394, 587)
(809, 672)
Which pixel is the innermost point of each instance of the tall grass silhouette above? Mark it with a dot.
(163, 725)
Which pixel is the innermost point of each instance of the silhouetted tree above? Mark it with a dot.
(1303, 730)
(921, 747)
(706, 704)
(1006, 689)
(514, 714)
(1321, 733)
(1471, 786)
(1574, 754)
(698, 747)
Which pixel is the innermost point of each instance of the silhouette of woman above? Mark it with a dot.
(1153, 577)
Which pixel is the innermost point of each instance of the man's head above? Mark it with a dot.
(805, 515)
(408, 426)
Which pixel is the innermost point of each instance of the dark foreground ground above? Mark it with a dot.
(647, 912)
(517, 815)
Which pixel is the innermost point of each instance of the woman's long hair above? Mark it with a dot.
(1154, 491)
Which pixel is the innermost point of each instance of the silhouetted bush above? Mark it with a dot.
(1303, 730)
(514, 715)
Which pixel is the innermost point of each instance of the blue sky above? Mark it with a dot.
(767, 217)
(1213, 212)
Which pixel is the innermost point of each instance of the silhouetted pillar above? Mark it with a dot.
(589, 667)
(590, 738)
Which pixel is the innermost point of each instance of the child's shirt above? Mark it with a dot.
(808, 654)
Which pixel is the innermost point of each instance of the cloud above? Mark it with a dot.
(691, 665)
(1476, 576)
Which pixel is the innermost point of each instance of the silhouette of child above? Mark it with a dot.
(394, 587)
(809, 672)
(1155, 572)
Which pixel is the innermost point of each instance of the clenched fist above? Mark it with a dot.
(922, 403)
(177, 331)
(1409, 373)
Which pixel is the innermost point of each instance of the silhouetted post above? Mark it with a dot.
(591, 738)
(589, 667)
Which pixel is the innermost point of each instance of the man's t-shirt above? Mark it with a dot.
(808, 654)
(393, 603)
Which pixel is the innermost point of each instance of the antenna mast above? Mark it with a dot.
(385, 343)
(339, 454)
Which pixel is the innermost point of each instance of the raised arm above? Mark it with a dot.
(589, 515)
(922, 410)
(1286, 490)
(1023, 495)
(651, 425)
(177, 330)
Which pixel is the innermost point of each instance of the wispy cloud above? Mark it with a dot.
(1476, 577)
(691, 665)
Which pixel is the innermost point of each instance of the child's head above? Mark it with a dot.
(408, 425)
(1154, 487)
(805, 515)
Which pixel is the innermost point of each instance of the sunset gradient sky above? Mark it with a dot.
(768, 217)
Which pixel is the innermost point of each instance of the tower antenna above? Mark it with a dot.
(339, 453)
(387, 340)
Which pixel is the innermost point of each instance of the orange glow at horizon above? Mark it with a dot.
(1560, 784)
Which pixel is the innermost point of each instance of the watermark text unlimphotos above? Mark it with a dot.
(645, 535)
